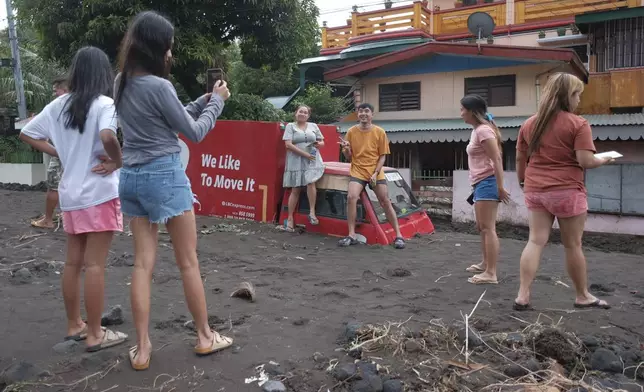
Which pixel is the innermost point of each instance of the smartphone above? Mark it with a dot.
(212, 76)
(470, 199)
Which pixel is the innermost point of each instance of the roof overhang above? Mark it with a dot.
(584, 20)
(531, 54)
(605, 127)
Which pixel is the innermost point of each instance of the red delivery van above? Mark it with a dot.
(236, 172)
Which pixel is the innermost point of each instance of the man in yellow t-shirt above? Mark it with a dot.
(367, 146)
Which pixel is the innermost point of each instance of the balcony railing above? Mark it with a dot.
(454, 21)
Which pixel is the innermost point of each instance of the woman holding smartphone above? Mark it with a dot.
(154, 188)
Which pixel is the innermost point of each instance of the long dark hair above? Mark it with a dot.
(89, 77)
(478, 107)
(143, 49)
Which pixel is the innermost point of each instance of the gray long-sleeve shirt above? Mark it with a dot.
(151, 117)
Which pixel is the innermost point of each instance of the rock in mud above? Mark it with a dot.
(351, 330)
(369, 383)
(393, 386)
(514, 338)
(273, 369)
(365, 368)
(590, 341)
(22, 276)
(273, 386)
(398, 272)
(66, 347)
(606, 361)
(114, 316)
(619, 383)
(474, 337)
(523, 368)
(19, 372)
(356, 353)
(344, 372)
(412, 346)
(552, 343)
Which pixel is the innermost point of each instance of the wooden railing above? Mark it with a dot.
(454, 21)
(528, 11)
(414, 16)
(618, 88)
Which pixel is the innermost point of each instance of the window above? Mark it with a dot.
(330, 203)
(402, 199)
(496, 90)
(618, 43)
(399, 97)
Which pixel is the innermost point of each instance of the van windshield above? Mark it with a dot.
(400, 195)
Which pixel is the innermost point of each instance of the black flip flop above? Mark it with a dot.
(593, 305)
(522, 307)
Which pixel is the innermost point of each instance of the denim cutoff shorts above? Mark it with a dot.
(486, 190)
(157, 190)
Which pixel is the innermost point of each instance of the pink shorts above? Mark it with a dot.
(562, 203)
(103, 217)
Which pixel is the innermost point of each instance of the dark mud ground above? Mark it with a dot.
(308, 289)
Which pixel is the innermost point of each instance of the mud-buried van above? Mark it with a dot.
(236, 173)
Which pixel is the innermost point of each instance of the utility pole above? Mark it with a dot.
(17, 70)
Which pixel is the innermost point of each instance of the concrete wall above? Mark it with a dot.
(22, 173)
(516, 213)
(441, 92)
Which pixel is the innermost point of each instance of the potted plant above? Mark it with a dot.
(437, 8)
(458, 4)
(388, 4)
(574, 29)
(542, 34)
(490, 40)
(561, 31)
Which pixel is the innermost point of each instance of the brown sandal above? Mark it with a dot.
(133, 353)
(219, 342)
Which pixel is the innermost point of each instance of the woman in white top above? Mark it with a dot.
(82, 126)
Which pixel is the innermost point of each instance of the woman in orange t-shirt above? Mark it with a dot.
(558, 146)
(486, 177)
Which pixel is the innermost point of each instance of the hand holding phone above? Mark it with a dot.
(212, 76)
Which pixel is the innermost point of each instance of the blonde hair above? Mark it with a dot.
(556, 97)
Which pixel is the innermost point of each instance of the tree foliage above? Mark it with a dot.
(249, 107)
(325, 108)
(37, 73)
(273, 33)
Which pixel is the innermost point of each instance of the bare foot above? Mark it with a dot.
(43, 223)
(76, 328)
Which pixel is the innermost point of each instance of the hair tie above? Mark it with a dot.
(489, 116)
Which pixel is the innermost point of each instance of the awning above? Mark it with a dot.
(605, 127)
(583, 20)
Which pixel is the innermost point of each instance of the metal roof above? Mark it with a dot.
(605, 127)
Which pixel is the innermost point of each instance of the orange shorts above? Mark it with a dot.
(562, 203)
(103, 217)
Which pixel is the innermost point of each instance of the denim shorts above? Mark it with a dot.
(157, 190)
(486, 190)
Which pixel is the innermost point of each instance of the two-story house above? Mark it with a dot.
(415, 62)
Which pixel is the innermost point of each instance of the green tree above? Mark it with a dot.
(325, 108)
(38, 74)
(275, 33)
(249, 107)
